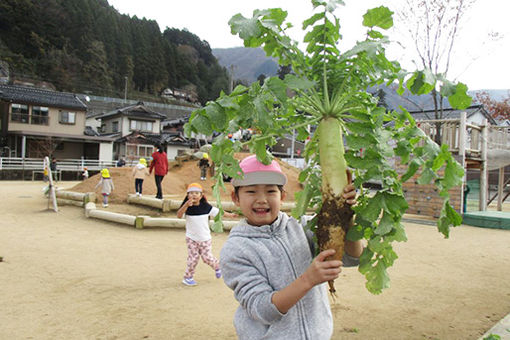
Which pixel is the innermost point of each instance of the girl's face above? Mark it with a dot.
(260, 203)
(194, 196)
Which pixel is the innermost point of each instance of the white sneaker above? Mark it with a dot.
(105, 205)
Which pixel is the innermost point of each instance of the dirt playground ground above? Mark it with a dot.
(64, 276)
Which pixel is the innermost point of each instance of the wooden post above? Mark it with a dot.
(112, 217)
(88, 208)
(501, 185)
(139, 222)
(484, 169)
(63, 201)
(71, 195)
(462, 153)
(51, 194)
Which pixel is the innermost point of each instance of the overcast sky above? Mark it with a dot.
(479, 63)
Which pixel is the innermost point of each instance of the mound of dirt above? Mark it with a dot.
(180, 175)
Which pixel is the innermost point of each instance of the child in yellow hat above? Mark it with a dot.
(203, 164)
(106, 184)
(140, 171)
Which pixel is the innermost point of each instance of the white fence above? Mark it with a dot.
(295, 162)
(16, 163)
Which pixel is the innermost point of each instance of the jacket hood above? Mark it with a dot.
(140, 166)
(244, 229)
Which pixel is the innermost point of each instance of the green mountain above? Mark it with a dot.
(87, 46)
(248, 63)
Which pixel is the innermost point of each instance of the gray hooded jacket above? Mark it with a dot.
(258, 261)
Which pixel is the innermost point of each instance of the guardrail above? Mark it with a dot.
(17, 163)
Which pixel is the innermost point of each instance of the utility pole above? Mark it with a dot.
(293, 145)
(125, 89)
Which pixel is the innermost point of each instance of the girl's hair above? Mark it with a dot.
(203, 199)
(236, 190)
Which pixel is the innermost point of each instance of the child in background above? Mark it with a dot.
(203, 164)
(160, 165)
(85, 173)
(198, 235)
(268, 262)
(106, 184)
(140, 171)
(53, 167)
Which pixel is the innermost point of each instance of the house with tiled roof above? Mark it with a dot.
(475, 114)
(32, 117)
(136, 129)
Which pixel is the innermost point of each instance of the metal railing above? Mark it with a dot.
(17, 163)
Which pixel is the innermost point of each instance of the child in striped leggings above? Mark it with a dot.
(198, 235)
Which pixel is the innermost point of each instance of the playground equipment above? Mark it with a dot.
(483, 147)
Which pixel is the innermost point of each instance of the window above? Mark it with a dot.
(19, 113)
(66, 117)
(140, 125)
(39, 115)
(115, 126)
(139, 150)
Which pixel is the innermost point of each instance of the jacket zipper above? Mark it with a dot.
(299, 305)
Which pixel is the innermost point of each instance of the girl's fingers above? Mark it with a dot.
(349, 176)
(349, 194)
(332, 264)
(324, 254)
(349, 188)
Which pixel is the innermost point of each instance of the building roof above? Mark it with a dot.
(178, 122)
(175, 138)
(449, 113)
(138, 110)
(36, 96)
(169, 138)
(64, 136)
(148, 137)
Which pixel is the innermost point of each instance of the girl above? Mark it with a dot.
(198, 235)
(268, 262)
(106, 184)
(203, 164)
(160, 165)
(139, 173)
(85, 173)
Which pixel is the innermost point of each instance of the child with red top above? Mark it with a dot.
(160, 165)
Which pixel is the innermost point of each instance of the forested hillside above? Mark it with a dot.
(248, 63)
(86, 45)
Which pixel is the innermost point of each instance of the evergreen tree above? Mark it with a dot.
(86, 45)
(96, 70)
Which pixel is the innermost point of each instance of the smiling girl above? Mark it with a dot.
(268, 262)
(197, 211)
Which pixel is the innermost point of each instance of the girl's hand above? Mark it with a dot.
(349, 191)
(231, 215)
(321, 270)
(349, 194)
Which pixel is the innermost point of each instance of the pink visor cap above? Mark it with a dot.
(256, 172)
